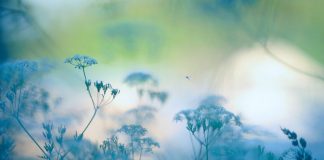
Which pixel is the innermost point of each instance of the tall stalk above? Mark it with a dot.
(93, 104)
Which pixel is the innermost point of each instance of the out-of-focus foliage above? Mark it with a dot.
(140, 79)
(20, 98)
(150, 31)
(138, 141)
(7, 144)
(134, 38)
(206, 124)
(140, 114)
(148, 93)
(112, 149)
(298, 151)
(54, 142)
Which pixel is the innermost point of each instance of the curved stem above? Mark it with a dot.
(94, 114)
(31, 137)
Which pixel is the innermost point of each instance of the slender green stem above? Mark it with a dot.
(193, 147)
(18, 105)
(94, 114)
(140, 156)
(132, 146)
(31, 137)
(88, 90)
(93, 103)
(23, 127)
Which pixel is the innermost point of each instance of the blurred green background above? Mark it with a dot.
(155, 30)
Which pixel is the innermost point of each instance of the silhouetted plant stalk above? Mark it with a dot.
(103, 89)
(138, 140)
(31, 137)
(17, 93)
(205, 124)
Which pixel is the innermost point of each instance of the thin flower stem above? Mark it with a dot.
(93, 103)
(24, 128)
(103, 97)
(108, 102)
(31, 137)
(88, 90)
(18, 105)
(94, 114)
(193, 147)
(140, 156)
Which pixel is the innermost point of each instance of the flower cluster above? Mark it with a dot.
(80, 61)
(207, 123)
(103, 91)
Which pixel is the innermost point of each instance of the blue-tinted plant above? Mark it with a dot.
(104, 91)
(146, 145)
(7, 146)
(140, 114)
(298, 151)
(138, 142)
(54, 142)
(205, 124)
(146, 86)
(84, 149)
(260, 153)
(114, 150)
(19, 98)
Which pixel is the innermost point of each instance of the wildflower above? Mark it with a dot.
(209, 119)
(80, 61)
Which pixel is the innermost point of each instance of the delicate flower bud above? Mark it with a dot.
(99, 85)
(114, 92)
(88, 83)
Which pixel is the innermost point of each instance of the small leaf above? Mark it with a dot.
(303, 142)
(294, 143)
